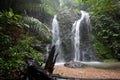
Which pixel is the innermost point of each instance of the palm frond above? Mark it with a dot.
(37, 26)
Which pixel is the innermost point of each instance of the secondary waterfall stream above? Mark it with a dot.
(56, 38)
(76, 34)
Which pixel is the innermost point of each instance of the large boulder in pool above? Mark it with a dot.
(73, 64)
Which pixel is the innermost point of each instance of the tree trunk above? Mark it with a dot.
(51, 60)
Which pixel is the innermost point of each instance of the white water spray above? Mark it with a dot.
(56, 38)
(76, 32)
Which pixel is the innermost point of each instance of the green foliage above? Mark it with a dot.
(106, 27)
(12, 60)
(37, 26)
(55, 6)
(12, 55)
(8, 17)
(110, 60)
(102, 52)
(51, 7)
(4, 41)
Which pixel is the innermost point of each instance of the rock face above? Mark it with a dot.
(87, 51)
(66, 19)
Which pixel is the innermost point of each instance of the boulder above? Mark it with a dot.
(66, 19)
(73, 64)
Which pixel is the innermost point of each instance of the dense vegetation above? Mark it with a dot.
(16, 43)
(106, 27)
(19, 30)
(18, 38)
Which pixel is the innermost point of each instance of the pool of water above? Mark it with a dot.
(104, 65)
(59, 64)
(107, 65)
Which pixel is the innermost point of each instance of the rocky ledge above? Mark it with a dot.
(75, 64)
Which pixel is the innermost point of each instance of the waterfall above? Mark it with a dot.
(77, 35)
(56, 39)
(76, 38)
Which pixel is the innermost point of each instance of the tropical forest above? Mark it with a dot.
(59, 39)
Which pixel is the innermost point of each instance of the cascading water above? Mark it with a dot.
(56, 39)
(76, 31)
(47, 48)
(76, 44)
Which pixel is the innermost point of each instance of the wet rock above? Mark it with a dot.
(66, 19)
(73, 64)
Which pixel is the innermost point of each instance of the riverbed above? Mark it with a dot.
(98, 71)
